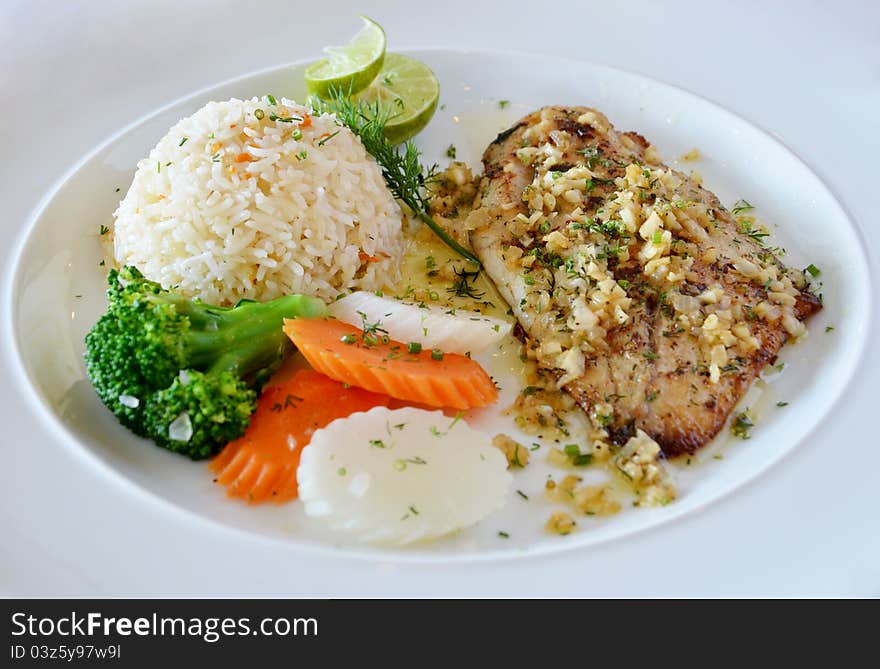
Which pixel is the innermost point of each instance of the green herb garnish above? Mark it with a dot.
(403, 171)
(463, 286)
(741, 425)
(322, 142)
(740, 206)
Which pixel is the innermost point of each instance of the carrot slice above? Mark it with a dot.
(261, 465)
(346, 353)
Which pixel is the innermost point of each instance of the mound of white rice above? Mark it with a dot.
(247, 199)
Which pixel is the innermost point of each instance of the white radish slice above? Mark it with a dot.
(401, 476)
(451, 331)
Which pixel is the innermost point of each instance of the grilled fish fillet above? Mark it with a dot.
(638, 292)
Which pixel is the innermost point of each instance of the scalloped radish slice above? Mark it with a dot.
(451, 331)
(401, 476)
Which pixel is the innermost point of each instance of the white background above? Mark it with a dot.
(72, 73)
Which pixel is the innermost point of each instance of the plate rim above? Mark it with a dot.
(60, 432)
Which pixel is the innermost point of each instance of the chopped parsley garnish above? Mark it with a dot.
(782, 404)
(463, 284)
(829, 328)
(591, 155)
(503, 104)
(577, 458)
(753, 233)
(741, 425)
(371, 331)
(437, 433)
(503, 534)
(740, 206)
(450, 152)
(103, 230)
(400, 464)
(377, 443)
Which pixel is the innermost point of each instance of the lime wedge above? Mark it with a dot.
(408, 90)
(349, 68)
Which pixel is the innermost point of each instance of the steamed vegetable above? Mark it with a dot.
(366, 357)
(183, 373)
(396, 477)
(261, 465)
(450, 330)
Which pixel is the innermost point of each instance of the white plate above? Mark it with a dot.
(57, 270)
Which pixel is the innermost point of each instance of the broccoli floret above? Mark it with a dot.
(183, 373)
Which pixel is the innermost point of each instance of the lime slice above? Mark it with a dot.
(409, 91)
(350, 68)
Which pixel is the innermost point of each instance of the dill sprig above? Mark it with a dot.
(403, 171)
(462, 286)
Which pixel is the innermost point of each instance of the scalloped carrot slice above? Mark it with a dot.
(261, 465)
(381, 365)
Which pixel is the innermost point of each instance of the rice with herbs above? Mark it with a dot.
(250, 199)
